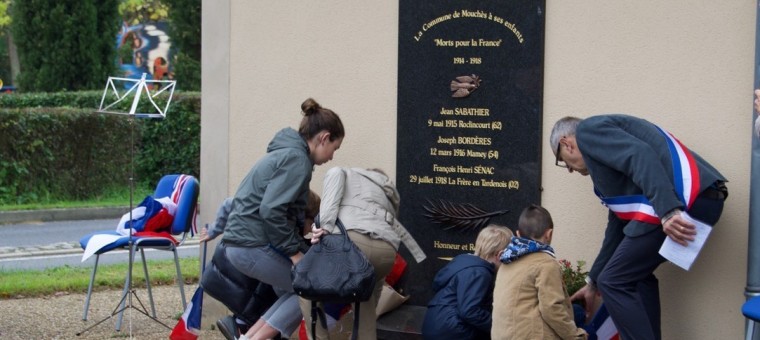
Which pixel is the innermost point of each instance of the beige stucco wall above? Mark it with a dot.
(687, 65)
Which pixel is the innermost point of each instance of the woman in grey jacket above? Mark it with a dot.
(367, 202)
(262, 242)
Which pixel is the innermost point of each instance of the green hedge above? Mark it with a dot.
(173, 144)
(84, 100)
(54, 146)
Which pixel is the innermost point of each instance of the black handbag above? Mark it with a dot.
(334, 270)
(246, 297)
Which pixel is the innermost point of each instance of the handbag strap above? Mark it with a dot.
(314, 319)
(355, 332)
(340, 226)
(318, 313)
(346, 241)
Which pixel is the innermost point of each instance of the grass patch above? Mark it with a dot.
(34, 283)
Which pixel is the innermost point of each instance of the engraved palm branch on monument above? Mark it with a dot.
(463, 217)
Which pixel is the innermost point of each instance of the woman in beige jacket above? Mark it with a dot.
(367, 203)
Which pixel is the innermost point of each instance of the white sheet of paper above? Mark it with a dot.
(684, 256)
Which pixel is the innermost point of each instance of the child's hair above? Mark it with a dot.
(317, 118)
(491, 240)
(312, 205)
(534, 221)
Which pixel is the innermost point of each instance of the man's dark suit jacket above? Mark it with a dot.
(626, 155)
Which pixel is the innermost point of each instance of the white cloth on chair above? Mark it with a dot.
(97, 242)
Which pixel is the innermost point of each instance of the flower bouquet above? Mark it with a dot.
(574, 277)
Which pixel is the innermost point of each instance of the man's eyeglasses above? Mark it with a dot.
(558, 161)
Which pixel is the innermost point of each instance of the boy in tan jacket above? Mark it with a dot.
(530, 300)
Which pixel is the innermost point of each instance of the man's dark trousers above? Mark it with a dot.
(628, 285)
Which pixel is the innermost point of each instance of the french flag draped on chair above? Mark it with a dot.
(153, 217)
(189, 325)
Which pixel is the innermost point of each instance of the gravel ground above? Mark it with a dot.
(60, 316)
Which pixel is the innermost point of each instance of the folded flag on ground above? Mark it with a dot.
(189, 325)
(601, 326)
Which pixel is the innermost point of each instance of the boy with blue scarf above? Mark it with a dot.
(530, 300)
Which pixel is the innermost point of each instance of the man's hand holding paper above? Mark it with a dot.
(679, 229)
(680, 254)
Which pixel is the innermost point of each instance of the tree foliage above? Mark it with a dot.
(141, 11)
(109, 22)
(5, 18)
(5, 21)
(185, 21)
(185, 18)
(65, 44)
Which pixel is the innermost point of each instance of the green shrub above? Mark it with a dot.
(82, 99)
(54, 146)
(172, 145)
(60, 153)
(188, 70)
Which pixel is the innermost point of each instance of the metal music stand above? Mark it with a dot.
(119, 90)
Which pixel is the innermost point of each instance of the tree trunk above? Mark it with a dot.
(13, 55)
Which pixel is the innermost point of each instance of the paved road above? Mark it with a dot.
(31, 234)
(39, 245)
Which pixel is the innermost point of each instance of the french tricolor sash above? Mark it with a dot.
(686, 179)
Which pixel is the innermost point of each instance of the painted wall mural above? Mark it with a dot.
(145, 48)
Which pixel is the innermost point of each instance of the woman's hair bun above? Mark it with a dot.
(310, 106)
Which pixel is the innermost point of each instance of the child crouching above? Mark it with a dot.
(530, 298)
(461, 307)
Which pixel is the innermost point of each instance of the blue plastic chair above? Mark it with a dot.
(182, 224)
(751, 310)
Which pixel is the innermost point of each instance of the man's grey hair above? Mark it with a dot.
(562, 128)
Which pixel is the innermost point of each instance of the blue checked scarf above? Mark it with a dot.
(520, 246)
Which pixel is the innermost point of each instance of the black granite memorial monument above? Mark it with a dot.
(470, 91)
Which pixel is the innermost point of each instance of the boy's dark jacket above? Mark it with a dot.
(461, 307)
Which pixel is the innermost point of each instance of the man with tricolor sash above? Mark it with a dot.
(648, 179)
